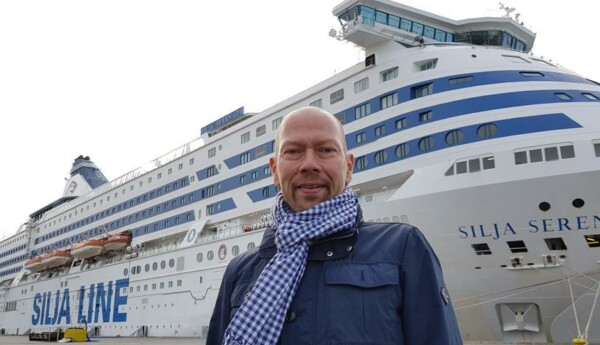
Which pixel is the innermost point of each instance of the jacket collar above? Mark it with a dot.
(335, 246)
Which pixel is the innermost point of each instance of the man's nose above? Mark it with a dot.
(310, 162)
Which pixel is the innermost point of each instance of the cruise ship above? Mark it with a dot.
(456, 128)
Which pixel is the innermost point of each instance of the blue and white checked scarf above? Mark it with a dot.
(260, 318)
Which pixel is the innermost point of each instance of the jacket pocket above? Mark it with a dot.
(362, 302)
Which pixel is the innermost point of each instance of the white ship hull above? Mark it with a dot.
(492, 153)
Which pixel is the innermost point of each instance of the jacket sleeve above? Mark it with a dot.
(427, 313)
(221, 314)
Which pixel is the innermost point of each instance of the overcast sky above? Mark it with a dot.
(127, 81)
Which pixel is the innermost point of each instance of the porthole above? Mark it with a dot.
(544, 206)
(380, 157)
(172, 263)
(426, 144)
(210, 255)
(487, 131)
(199, 257)
(147, 268)
(251, 245)
(155, 266)
(235, 250)
(578, 203)
(125, 272)
(163, 264)
(455, 137)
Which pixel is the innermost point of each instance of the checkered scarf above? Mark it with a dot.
(260, 318)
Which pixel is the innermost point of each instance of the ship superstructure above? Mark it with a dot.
(493, 153)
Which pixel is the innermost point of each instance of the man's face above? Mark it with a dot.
(310, 164)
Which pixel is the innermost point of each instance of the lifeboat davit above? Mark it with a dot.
(117, 242)
(87, 249)
(34, 264)
(56, 258)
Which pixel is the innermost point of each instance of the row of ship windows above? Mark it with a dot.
(12, 241)
(11, 271)
(116, 195)
(555, 243)
(118, 208)
(12, 251)
(13, 261)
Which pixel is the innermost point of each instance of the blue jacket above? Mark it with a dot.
(377, 284)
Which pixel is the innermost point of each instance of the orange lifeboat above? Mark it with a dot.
(56, 258)
(87, 249)
(34, 264)
(117, 242)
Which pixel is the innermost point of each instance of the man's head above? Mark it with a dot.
(310, 164)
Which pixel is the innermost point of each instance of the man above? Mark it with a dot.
(321, 274)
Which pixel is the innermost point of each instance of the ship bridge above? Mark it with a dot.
(368, 23)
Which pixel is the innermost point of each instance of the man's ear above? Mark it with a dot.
(273, 164)
(349, 167)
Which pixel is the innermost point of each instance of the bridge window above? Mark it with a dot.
(590, 96)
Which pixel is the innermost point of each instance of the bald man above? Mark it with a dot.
(321, 274)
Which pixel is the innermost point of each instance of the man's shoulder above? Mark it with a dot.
(387, 229)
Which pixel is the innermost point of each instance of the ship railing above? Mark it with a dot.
(123, 179)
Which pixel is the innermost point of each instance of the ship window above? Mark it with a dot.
(417, 28)
(531, 74)
(266, 192)
(244, 158)
(235, 250)
(474, 165)
(450, 171)
(341, 117)
(563, 96)
(535, 156)
(422, 90)
(592, 241)
(389, 100)
(360, 137)
(260, 130)
(275, 123)
(590, 96)
(245, 137)
(597, 149)
(455, 137)
(210, 255)
(427, 65)
(488, 162)
(461, 167)
(361, 85)
(162, 285)
(379, 131)
(361, 163)
(481, 249)
(389, 74)
(487, 131)
(318, 103)
(555, 243)
(163, 264)
(153, 286)
(147, 268)
(516, 59)
(362, 111)
(460, 80)
(336, 96)
(551, 153)
(402, 150)
(251, 245)
(425, 116)
(517, 246)
(155, 266)
(261, 151)
(172, 263)
(401, 123)
(567, 151)
(521, 157)
(381, 157)
(125, 272)
(211, 152)
(199, 257)
(426, 144)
